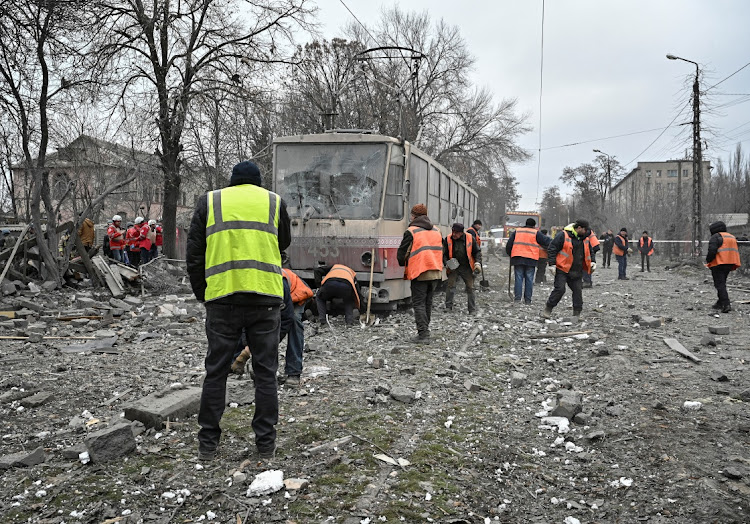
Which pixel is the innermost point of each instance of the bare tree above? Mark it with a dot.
(168, 53)
(554, 211)
(41, 44)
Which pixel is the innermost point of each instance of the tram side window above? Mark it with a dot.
(394, 198)
(467, 205)
(462, 211)
(456, 213)
(445, 203)
(433, 199)
(417, 181)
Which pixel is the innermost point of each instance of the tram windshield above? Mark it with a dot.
(331, 180)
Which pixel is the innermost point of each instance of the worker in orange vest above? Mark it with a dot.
(523, 249)
(622, 251)
(594, 247)
(474, 230)
(570, 254)
(646, 247)
(116, 236)
(339, 282)
(421, 254)
(461, 252)
(722, 258)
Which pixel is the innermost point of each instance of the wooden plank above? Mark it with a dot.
(562, 335)
(13, 253)
(112, 278)
(675, 345)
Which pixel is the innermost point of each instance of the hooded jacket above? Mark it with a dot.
(404, 249)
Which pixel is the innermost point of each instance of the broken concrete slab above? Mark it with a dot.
(23, 459)
(36, 400)
(517, 379)
(649, 321)
(119, 304)
(100, 345)
(675, 345)
(110, 443)
(403, 394)
(73, 452)
(708, 340)
(718, 375)
(154, 409)
(718, 330)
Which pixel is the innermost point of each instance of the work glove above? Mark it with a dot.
(630, 251)
(477, 268)
(593, 267)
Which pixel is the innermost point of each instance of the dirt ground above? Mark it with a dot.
(384, 431)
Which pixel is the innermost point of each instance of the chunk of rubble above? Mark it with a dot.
(403, 394)
(110, 443)
(23, 459)
(154, 409)
(267, 482)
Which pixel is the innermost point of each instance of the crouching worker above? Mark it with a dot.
(421, 252)
(339, 282)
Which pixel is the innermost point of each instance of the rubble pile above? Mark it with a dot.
(637, 411)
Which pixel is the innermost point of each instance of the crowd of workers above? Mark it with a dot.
(237, 267)
(135, 244)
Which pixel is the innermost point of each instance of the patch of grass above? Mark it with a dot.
(238, 422)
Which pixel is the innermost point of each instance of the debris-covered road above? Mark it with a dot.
(503, 417)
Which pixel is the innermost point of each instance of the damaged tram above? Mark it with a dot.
(349, 193)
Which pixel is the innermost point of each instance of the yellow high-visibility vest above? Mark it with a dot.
(242, 243)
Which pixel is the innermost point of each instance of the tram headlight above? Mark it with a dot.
(366, 259)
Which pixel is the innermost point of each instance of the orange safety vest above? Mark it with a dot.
(476, 233)
(728, 252)
(426, 252)
(649, 242)
(525, 244)
(616, 250)
(469, 248)
(345, 273)
(593, 239)
(299, 289)
(564, 259)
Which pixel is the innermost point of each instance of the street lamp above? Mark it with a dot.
(697, 158)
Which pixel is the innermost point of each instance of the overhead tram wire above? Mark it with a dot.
(541, 85)
(374, 40)
(660, 134)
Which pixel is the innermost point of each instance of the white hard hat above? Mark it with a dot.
(152, 222)
(116, 218)
(138, 220)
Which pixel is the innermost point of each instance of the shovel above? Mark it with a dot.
(510, 276)
(484, 283)
(367, 319)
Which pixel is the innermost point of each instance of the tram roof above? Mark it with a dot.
(335, 137)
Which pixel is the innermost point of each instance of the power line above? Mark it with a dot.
(730, 76)
(606, 138)
(541, 85)
(360, 23)
(660, 134)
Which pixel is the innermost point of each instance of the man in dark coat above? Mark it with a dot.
(461, 248)
(608, 241)
(571, 263)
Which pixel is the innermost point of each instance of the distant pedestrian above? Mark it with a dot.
(474, 230)
(421, 252)
(86, 233)
(570, 255)
(541, 263)
(594, 247)
(646, 248)
(608, 241)
(622, 251)
(523, 249)
(461, 252)
(722, 258)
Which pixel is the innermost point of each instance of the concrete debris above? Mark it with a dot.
(569, 403)
(110, 443)
(154, 410)
(719, 330)
(267, 482)
(403, 394)
(23, 459)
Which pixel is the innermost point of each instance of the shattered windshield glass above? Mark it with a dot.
(331, 180)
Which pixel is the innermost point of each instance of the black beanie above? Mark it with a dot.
(245, 173)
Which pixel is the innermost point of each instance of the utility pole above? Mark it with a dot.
(697, 160)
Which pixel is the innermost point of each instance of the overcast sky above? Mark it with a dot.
(605, 73)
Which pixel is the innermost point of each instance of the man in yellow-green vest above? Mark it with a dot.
(234, 263)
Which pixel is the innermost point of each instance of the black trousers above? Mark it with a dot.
(224, 325)
(422, 292)
(720, 274)
(645, 259)
(607, 257)
(336, 289)
(574, 282)
(541, 271)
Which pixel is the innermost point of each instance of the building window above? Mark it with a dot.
(658, 172)
(684, 172)
(648, 173)
(671, 185)
(672, 173)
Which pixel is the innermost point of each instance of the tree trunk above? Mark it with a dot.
(172, 182)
